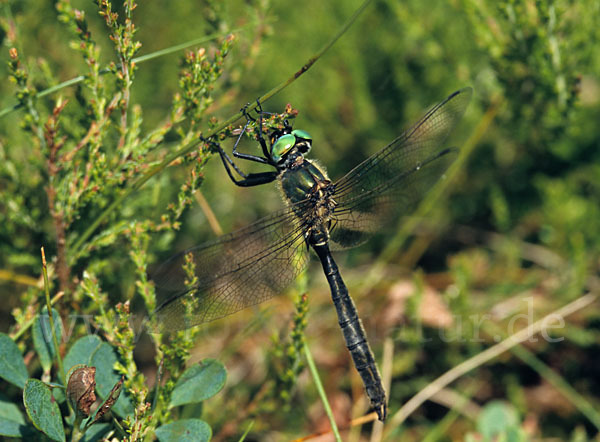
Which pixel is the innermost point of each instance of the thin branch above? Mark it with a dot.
(54, 145)
(136, 60)
(485, 356)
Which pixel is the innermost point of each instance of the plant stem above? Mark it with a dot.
(51, 319)
(136, 60)
(485, 356)
(315, 374)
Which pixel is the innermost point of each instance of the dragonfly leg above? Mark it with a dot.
(249, 119)
(256, 179)
(261, 138)
(260, 133)
(245, 156)
(248, 179)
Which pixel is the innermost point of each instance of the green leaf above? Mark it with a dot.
(10, 411)
(104, 359)
(96, 432)
(199, 382)
(12, 367)
(81, 351)
(184, 430)
(43, 410)
(42, 337)
(12, 422)
(497, 418)
(9, 428)
(190, 411)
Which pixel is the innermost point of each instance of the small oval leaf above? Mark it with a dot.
(81, 351)
(10, 428)
(96, 432)
(43, 410)
(12, 422)
(496, 418)
(199, 382)
(42, 337)
(12, 367)
(184, 430)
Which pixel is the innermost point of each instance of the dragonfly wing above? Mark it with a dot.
(240, 269)
(358, 219)
(392, 182)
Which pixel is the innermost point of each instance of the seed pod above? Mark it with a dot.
(80, 389)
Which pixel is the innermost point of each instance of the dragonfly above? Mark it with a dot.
(259, 261)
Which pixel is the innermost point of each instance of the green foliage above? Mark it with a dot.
(184, 430)
(42, 409)
(199, 382)
(499, 421)
(12, 367)
(286, 361)
(12, 421)
(105, 174)
(83, 149)
(41, 333)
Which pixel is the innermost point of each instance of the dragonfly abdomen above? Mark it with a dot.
(353, 331)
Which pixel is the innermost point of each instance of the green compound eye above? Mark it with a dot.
(299, 133)
(282, 146)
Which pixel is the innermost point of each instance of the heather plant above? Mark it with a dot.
(86, 149)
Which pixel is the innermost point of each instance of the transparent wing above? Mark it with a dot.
(391, 183)
(241, 269)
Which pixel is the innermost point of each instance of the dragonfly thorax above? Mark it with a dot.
(320, 207)
(309, 191)
(300, 178)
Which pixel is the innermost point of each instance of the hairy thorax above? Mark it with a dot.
(307, 188)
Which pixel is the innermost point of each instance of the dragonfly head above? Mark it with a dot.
(285, 142)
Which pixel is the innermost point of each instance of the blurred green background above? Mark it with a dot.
(520, 222)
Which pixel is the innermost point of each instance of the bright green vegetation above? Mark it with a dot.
(512, 235)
